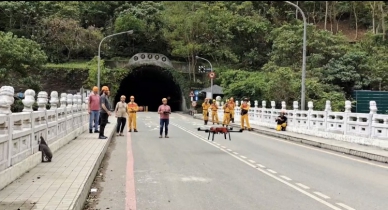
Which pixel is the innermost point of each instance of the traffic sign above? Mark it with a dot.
(212, 75)
(194, 103)
(191, 94)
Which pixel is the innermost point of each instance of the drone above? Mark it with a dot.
(219, 130)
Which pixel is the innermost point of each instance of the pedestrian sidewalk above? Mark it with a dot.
(368, 152)
(64, 183)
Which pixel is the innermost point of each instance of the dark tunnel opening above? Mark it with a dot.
(149, 84)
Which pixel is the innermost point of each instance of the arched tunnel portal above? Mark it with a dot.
(149, 80)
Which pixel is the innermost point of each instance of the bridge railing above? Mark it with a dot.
(363, 128)
(20, 132)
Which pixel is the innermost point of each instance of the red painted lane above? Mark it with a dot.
(130, 200)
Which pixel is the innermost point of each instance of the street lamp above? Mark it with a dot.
(303, 97)
(211, 79)
(99, 57)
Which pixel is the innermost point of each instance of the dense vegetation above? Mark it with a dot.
(256, 47)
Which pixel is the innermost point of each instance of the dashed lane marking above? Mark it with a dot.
(235, 153)
(229, 150)
(345, 206)
(303, 186)
(322, 195)
(243, 157)
(261, 166)
(286, 178)
(272, 171)
(252, 161)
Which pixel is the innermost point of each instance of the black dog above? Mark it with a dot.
(46, 152)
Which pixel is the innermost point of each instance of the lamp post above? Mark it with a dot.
(211, 79)
(99, 57)
(303, 96)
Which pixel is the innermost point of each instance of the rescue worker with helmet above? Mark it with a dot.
(132, 109)
(214, 109)
(244, 114)
(232, 106)
(226, 120)
(205, 110)
(281, 121)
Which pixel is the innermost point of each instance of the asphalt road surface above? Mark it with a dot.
(252, 171)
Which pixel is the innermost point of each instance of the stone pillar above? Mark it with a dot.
(6, 99)
(63, 100)
(348, 106)
(263, 104)
(54, 101)
(284, 106)
(218, 100)
(79, 101)
(310, 105)
(29, 100)
(86, 100)
(372, 107)
(69, 100)
(237, 103)
(273, 104)
(256, 103)
(295, 105)
(328, 106)
(42, 100)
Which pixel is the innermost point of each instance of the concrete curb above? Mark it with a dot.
(357, 153)
(79, 202)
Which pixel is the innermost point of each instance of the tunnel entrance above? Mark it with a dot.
(149, 84)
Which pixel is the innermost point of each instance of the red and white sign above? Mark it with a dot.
(194, 103)
(212, 75)
(191, 94)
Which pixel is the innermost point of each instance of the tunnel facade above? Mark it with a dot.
(150, 78)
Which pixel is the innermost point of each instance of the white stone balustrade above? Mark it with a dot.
(20, 132)
(363, 128)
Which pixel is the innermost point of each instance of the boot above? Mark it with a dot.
(205, 122)
(232, 120)
(90, 131)
(130, 130)
(135, 130)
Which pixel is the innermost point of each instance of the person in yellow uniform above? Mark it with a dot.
(226, 120)
(214, 109)
(244, 114)
(281, 122)
(232, 105)
(205, 110)
(132, 109)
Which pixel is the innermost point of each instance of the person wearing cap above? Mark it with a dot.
(232, 106)
(132, 109)
(244, 114)
(214, 109)
(205, 110)
(164, 111)
(226, 120)
(281, 121)
(94, 110)
(104, 111)
(121, 114)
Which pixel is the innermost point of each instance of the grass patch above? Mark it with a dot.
(69, 65)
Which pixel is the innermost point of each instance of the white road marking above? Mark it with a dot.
(223, 147)
(345, 206)
(322, 195)
(243, 156)
(272, 171)
(261, 166)
(229, 150)
(303, 186)
(252, 161)
(235, 153)
(321, 150)
(286, 178)
(264, 172)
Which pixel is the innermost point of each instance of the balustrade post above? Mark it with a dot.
(372, 111)
(348, 106)
(310, 106)
(256, 111)
(327, 110)
(6, 100)
(273, 116)
(263, 110)
(28, 102)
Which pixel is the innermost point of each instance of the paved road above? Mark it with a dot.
(252, 171)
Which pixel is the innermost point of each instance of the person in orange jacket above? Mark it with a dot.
(244, 114)
(205, 110)
(132, 108)
(226, 120)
